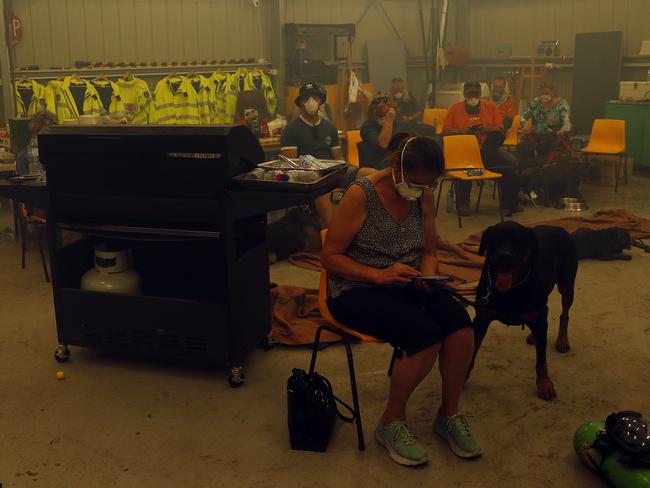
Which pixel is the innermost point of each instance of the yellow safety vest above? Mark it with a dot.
(50, 94)
(115, 104)
(136, 92)
(205, 98)
(175, 102)
(238, 81)
(219, 81)
(66, 104)
(261, 81)
(30, 97)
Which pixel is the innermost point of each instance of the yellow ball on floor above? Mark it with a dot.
(60, 375)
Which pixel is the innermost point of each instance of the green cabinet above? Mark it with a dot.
(637, 129)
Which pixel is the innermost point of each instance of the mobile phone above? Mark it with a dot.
(436, 278)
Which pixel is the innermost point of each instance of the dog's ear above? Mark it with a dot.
(485, 240)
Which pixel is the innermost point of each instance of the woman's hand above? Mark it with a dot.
(398, 273)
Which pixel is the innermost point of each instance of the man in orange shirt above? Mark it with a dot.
(507, 107)
(481, 118)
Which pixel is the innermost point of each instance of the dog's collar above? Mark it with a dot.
(486, 298)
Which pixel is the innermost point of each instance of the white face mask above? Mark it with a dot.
(311, 106)
(399, 95)
(473, 102)
(406, 191)
(545, 98)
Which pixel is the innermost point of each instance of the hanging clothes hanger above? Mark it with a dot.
(128, 76)
(100, 77)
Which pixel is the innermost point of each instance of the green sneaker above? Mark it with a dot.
(401, 443)
(456, 431)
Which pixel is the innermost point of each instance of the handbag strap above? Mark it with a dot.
(347, 407)
(338, 400)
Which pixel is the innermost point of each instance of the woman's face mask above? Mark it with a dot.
(472, 101)
(399, 95)
(311, 106)
(545, 98)
(497, 94)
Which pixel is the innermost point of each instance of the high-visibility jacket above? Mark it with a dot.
(175, 102)
(237, 82)
(30, 97)
(77, 97)
(110, 96)
(205, 98)
(219, 82)
(51, 94)
(135, 92)
(261, 81)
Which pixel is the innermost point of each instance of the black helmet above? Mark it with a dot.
(308, 89)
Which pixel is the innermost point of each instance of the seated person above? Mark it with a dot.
(408, 110)
(382, 235)
(311, 134)
(481, 117)
(27, 160)
(506, 105)
(377, 131)
(550, 116)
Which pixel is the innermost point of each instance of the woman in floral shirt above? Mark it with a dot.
(549, 115)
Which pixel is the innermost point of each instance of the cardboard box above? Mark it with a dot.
(634, 91)
(606, 166)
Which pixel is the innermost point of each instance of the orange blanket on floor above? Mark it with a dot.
(638, 227)
(296, 316)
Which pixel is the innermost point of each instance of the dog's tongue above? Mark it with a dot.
(504, 281)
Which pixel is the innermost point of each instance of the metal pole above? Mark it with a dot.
(6, 68)
(276, 33)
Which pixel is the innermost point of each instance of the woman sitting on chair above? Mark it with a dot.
(382, 236)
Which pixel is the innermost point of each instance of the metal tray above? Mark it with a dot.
(330, 163)
(288, 186)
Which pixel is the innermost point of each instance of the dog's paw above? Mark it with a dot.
(562, 344)
(546, 390)
(530, 339)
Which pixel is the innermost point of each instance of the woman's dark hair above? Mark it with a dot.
(422, 155)
(42, 119)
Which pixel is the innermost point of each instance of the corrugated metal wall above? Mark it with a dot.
(60, 32)
(521, 23)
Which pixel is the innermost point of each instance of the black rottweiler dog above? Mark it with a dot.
(522, 267)
(604, 244)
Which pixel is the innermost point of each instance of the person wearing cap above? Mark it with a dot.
(482, 118)
(311, 134)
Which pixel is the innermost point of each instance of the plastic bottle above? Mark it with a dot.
(450, 201)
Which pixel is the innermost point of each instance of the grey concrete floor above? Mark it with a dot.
(115, 422)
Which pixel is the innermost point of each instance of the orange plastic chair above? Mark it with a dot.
(347, 336)
(461, 154)
(353, 137)
(512, 138)
(435, 117)
(608, 137)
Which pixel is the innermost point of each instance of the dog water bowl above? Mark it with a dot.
(572, 205)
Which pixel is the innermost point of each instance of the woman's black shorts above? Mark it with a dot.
(407, 318)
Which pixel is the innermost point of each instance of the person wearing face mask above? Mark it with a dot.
(381, 238)
(550, 117)
(311, 134)
(377, 132)
(482, 118)
(507, 107)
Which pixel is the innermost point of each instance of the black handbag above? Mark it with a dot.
(312, 411)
